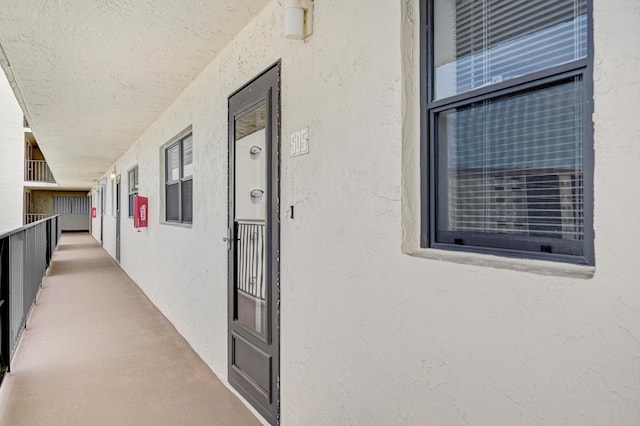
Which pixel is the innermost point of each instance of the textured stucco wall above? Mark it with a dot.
(11, 158)
(143, 53)
(372, 335)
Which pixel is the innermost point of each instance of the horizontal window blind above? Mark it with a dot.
(187, 156)
(133, 179)
(173, 163)
(514, 165)
(496, 40)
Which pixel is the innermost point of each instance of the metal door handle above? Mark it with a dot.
(257, 193)
(227, 239)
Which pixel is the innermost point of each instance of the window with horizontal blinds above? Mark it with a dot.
(179, 180)
(480, 42)
(514, 165)
(509, 164)
(133, 187)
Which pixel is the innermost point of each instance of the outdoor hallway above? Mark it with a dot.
(97, 352)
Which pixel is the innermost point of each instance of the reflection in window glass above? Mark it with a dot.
(251, 122)
(186, 190)
(173, 202)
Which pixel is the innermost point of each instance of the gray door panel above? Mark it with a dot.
(253, 236)
(118, 218)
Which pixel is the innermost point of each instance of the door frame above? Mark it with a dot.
(263, 88)
(102, 201)
(118, 196)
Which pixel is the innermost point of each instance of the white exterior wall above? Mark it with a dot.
(11, 158)
(369, 333)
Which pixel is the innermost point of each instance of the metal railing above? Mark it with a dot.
(251, 256)
(34, 217)
(38, 171)
(24, 257)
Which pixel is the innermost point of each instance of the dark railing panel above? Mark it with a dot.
(24, 257)
(251, 252)
(16, 286)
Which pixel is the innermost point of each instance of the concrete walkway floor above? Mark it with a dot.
(97, 352)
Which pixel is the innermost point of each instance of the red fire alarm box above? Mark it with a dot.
(93, 212)
(140, 211)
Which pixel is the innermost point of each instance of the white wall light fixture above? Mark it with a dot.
(298, 19)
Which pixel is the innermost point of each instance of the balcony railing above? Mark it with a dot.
(24, 257)
(34, 217)
(38, 171)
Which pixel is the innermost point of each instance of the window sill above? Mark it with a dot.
(178, 224)
(540, 267)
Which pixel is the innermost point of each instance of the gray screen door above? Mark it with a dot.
(103, 198)
(253, 242)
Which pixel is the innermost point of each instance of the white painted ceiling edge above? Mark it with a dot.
(93, 75)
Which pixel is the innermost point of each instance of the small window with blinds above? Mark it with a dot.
(133, 187)
(179, 180)
(508, 128)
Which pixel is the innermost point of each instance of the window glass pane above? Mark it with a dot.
(187, 156)
(173, 163)
(173, 202)
(131, 205)
(514, 165)
(187, 200)
(251, 122)
(133, 180)
(480, 42)
(118, 194)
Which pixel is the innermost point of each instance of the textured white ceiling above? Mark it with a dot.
(94, 74)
